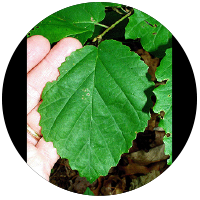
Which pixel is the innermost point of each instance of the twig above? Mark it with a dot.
(99, 37)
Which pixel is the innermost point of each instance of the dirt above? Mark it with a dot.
(145, 161)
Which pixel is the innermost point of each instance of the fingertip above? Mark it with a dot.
(73, 41)
(39, 39)
(72, 44)
(62, 50)
(37, 48)
(76, 42)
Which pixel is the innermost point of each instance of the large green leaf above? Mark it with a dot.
(94, 109)
(77, 21)
(164, 98)
(152, 33)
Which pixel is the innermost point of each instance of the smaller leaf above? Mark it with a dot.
(164, 99)
(164, 92)
(89, 192)
(76, 21)
(152, 33)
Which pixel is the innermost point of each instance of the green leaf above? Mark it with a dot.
(168, 147)
(164, 92)
(89, 192)
(152, 33)
(76, 21)
(94, 109)
(164, 97)
(108, 4)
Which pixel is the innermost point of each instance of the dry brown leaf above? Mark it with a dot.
(142, 180)
(96, 186)
(151, 62)
(133, 168)
(158, 138)
(80, 185)
(113, 185)
(154, 155)
(153, 122)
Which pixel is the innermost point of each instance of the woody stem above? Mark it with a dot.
(99, 37)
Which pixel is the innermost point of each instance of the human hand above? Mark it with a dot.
(42, 66)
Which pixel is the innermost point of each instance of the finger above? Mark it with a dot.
(42, 157)
(37, 48)
(33, 119)
(49, 152)
(31, 139)
(47, 69)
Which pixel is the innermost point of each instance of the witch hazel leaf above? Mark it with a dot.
(152, 33)
(76, 21)
(94, 109)
(164, 92)
(164, 99)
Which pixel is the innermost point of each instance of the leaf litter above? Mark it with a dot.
(144, 162)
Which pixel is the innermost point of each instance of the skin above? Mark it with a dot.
(42, 66)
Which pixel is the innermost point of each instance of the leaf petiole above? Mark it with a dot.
(102, 25)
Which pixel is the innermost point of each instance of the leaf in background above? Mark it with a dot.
(152, 33)
(164, 97)
(94, 109)
(164, 92)
(76, 21)
(168, 147)
(108, 4)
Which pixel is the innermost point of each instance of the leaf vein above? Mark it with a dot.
(112, 117)
(68, 101)
(122, 91)
(105, 142)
